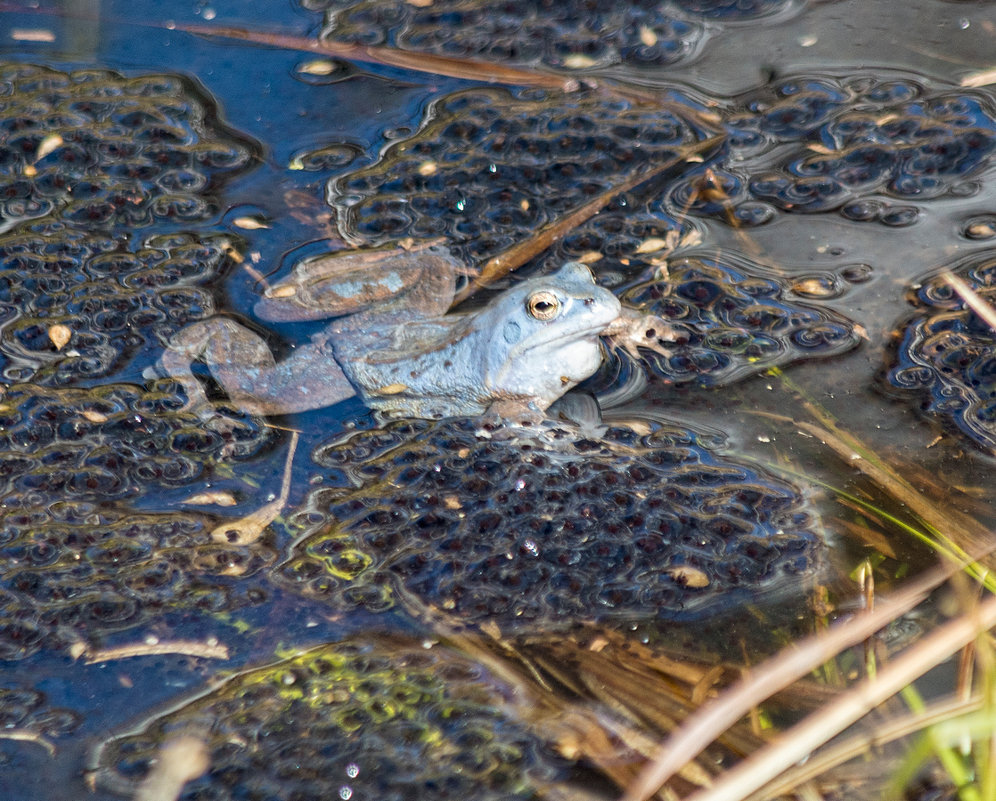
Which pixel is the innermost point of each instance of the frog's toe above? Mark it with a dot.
(515, 411)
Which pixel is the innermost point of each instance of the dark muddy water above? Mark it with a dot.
(851, 168)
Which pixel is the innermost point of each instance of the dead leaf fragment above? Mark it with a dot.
(60, 335)
(981, 230)
(813, 288)
(212, 499)
(47, 145)
(28, 736)
(647, 36)
(250, 223)
(651, 245)
(977, 79)
(420, 3)
(321, 66)
(823, 150)
(579, 61)
(590, 257)
(94, 416)
(427, 168)
(32, 35)
(689, 576)
(284, 291)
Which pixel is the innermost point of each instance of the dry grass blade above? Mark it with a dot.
(464, 68)
(965, 535)
(769, 677)
(977, 79)
(468, 69)
(800, 740)
(859, 745)
(246, 530)
(205, 650)
(513, 258)
(972, 299)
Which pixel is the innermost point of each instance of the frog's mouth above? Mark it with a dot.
(554, 336)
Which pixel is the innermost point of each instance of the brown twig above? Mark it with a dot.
(517, 255)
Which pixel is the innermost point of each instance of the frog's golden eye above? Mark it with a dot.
(543, 305)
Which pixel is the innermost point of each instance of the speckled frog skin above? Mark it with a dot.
(394, 345)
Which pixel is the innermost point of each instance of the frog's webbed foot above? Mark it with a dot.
(515, 411)
(633, 330)
(233, 354)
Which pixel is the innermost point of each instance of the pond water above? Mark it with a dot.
(151, 176)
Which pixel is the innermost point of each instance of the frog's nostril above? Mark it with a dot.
(589, 301)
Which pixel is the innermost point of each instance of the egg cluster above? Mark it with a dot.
(727, 320)
(489, 169)
(29, 711)
(112, 302)
(365, 718)
(545, 530)
(871, 148)
(79, 561)
(569, 35)
(102, 149)
(947, 353)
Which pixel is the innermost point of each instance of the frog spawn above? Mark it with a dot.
(545, 530)
(116, 301)
(571, 35)
(726, 319)
(947, 354)
(29, 712)
(78, 564)
(486, 149)
(488, 169)
(98, 148)
(365, 718)
(857, 145)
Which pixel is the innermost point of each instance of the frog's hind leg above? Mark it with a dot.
(242, 364)
(233, 354)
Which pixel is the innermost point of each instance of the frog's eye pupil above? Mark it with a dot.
(543, 305)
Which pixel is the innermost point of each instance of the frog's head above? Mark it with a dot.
(542, 335)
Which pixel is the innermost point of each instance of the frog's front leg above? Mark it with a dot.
(242, 364)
